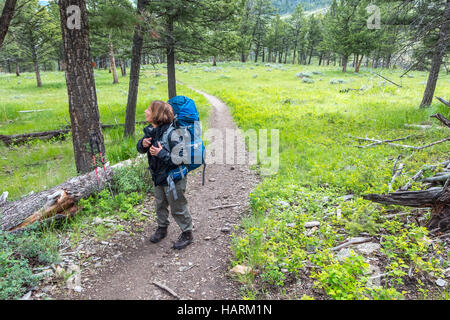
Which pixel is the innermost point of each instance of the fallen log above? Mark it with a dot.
(388, 80)
(377, 142)
(438, 199)
(350, 242)
(443, 101)
(59, 200)
(442, 119)
(46, 135)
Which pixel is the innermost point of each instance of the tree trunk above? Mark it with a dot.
(17, 69)
(439, 51)
(123, 68)
(388, 61)
(38, 73)
(214, 62)
(320, 59)
(136, 56)
(310, 55)
(171, 79)
(83, 108)
(112, 62)
(294, 53)
(256, 53)
(5, 19)
(263, 54)
(358, 63)
(344, 63)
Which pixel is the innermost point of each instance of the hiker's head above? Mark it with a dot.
(159, 113)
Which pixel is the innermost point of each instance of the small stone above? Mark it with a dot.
(447, 272)
(311, 231)
(441, 282)
(26, 296)
(338, 213)
(284, 203)
(292, 225)
(45, 274)
(368, 247)
(375, 278)
(325, 199)
(97, 220)
(284, 270)
(240, 269)
(347, 197)
(343, 253)
(225, 229)
(47, 289)
(231, 168)
(211, 179)
(312, 224)
(207, 238)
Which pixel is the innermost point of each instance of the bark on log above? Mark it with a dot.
(417, 199)
(438, 199)
(442, 119)
(59, 200)
(443, 101)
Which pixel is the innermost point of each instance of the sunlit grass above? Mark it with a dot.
(40, 165)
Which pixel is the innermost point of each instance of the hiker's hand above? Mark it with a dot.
(146, 142)
(154, 150)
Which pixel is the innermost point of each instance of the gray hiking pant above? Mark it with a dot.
(178, 208)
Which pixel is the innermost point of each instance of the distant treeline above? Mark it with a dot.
(288, 6)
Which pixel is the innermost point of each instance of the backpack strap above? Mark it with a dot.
(166, 134)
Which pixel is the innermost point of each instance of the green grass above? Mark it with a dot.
(40, 165)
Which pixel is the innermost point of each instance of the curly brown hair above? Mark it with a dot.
(161, 112)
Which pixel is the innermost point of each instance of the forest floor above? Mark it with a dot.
(201, 271)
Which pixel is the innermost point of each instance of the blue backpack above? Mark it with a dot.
(187, 121)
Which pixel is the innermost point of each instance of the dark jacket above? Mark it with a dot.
(161, 164)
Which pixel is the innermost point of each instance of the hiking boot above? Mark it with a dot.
(159, 234)
(184, 240)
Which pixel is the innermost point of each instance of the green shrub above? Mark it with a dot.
(133, 178)
(18, 254)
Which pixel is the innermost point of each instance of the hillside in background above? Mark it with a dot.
(287, 6)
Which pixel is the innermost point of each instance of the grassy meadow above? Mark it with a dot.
(319, 163)
(40, 165)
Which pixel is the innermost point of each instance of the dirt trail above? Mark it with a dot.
(201, 270)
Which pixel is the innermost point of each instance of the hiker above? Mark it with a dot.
(160, 115)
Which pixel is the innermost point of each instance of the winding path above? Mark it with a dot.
(201, 270)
